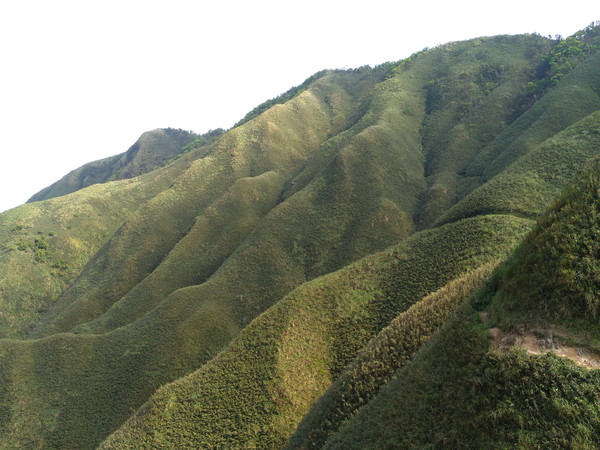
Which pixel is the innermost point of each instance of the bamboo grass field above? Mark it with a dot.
(327, 272)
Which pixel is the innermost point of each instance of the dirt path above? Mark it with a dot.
(542, 341)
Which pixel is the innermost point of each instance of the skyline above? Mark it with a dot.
(82, 82)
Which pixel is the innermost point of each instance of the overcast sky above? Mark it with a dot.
(81, 80)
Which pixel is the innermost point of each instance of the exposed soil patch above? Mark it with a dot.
(541, 341)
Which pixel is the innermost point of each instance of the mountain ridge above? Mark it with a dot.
(278, 255)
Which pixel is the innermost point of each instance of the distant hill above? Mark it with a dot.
(152, 150)
(363, 262)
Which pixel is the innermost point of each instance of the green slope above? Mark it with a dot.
(249, 232)
(44, 246)
(506, 399)
(255, 391)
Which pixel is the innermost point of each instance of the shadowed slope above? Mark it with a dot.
(531, 136)
(528, 186)
(473, 91)
(574, 97)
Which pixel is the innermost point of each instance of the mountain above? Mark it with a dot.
(545, 296)
(153, 149)
(361, 249)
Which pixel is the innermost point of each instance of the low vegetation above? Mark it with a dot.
(319, 275)
(484, 398)
(289, 355)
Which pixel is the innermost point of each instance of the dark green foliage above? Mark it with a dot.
(197, 142)
(38, 247)
(60, 264)
(555, 274)
(565, 55)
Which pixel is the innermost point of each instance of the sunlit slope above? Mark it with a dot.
(152, 149)
(261, 155)
(45, 245)
(377, 362)
(347, 165)
(499, 399)
(256, 391)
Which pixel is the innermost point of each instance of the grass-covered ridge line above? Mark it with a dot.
(382, 357)
(235, 264)
(484, 398)
(554, 277)
(256, 391)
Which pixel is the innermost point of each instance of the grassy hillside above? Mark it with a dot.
(484, 398)
(269, 256)
(193, 337)
(527, 186)
(258, 156)
(255, 392)
(44, 246)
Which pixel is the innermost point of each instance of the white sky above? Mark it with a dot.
(81, 80)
